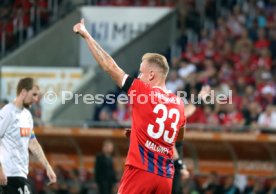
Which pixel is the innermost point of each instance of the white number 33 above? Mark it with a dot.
(161, 122)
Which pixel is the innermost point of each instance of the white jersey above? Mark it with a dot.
(16, 130)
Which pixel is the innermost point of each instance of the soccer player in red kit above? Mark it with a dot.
(158, 115)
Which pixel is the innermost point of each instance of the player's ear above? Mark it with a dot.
(151, 75)
(23, 93)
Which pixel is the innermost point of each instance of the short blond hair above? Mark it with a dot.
(159, 60)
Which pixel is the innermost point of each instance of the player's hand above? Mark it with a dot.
(127, 132)
(204, 92)
(51, 175)
(3, 178)
(79, 28)
(184, 174)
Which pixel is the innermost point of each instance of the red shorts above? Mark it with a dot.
(137, 181)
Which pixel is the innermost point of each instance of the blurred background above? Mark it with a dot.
(228, 44)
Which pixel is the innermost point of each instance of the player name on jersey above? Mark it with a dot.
(156, 148)
(165, 99)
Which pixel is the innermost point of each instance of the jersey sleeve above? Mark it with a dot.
(131, 85)
(32, 135)
(136, 90)
(5, 120)
(127, 82)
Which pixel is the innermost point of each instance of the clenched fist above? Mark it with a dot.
(79, 28)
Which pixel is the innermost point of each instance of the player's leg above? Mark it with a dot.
(164, 185)
(126, 180)
(136, 181)
(18, 185)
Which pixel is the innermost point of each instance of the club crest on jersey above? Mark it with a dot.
(25, 132)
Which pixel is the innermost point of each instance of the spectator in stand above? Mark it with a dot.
(262, 41)
(122, 114)
(36, 113)
(105, 114)
(264, 62)
(210, 10)
(174, 83)
(212, 184)
(243, 42)
(232, 118)
(105, 174)
(23, 17)
(7, 19)
(226, 72)
(42, 12)
(267, 119)
(229, 186)
(192, 22)
(267, 96)
(73, 182)
(198, 116)
(260, 15)
(254, 186)
(210, 116)
(251, 113)
(185, 69)
(250, 94)
(252, 31)
(272, 189)
(272, 45)
(208, 71)
(235, 26)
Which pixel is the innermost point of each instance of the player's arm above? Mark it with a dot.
(179, 164)
(181, 134)
(203, 94)
(37, 151)
(5, 120)
(3, 178)
(189, 110)
(105, 61)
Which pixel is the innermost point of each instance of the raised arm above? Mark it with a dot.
(203, 94)
(105, 61)
(37, 151)
(191, 108)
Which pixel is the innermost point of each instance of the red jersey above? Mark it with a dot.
(157, 117)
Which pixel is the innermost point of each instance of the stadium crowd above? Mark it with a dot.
(19, 19)
(233, 51)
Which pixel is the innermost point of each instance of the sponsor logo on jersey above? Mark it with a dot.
(25, 132)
